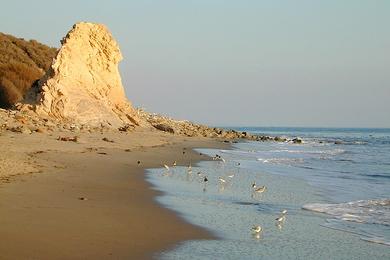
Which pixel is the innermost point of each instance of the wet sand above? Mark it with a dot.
(89, 200)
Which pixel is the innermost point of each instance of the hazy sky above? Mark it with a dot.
(258, 63)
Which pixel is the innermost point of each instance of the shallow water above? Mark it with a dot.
(322, 177)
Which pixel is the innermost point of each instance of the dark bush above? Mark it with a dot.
(9, 94)
(21, 64)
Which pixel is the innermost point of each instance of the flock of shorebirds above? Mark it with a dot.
(255, 191)
(257, 229)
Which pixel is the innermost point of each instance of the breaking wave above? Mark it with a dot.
(361, 211)
(375, 212)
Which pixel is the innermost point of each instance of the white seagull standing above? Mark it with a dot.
(167, 172)
(260, 189)
(222, 180)
(256, 229)
(281, 219)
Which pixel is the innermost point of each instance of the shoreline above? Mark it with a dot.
(229, 210)
(91, 199)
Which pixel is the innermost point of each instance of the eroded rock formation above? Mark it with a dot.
(83, 83)
(82, 92)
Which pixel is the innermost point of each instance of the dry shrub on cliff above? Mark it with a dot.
(9, 94)
(21, 64)
(15, 80)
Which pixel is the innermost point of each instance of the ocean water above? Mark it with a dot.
(335, 187)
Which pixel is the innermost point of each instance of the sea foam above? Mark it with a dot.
(362, 211)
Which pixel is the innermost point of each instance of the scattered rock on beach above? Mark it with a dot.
(164, 127)
(20, 129)
(67, 139)
(280, 139)
(296, 141)
(108, 140)
(126, 128)
(40, 130)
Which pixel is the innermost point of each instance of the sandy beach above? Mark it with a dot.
(89, 199)
(194, 130)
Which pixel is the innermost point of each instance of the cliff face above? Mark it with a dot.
(83, 83)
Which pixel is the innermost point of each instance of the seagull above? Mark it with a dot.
(166, 167)
(261, 189)
(281, 219)
(174, 164)
(231, 176)
(216, 157)
(279, 225)
(256, 229)
(222, 180)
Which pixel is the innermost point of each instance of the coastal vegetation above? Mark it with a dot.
(21, 64)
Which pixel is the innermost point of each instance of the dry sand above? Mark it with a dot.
(89, 200)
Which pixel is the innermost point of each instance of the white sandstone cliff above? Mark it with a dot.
(83, 84)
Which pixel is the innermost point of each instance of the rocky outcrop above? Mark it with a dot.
(83, 84)
(187, 128)
(82, 92)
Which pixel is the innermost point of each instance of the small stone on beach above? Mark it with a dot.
(67, 139)
(108, 140)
